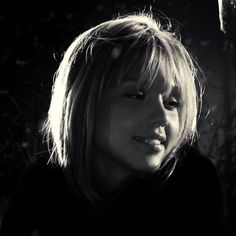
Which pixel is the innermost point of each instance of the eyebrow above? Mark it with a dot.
(132, 78)
(173, 91)
(127, 82)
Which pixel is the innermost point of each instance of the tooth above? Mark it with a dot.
(153, 141)
(157, 142)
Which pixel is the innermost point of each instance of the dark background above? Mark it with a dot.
(34, 36)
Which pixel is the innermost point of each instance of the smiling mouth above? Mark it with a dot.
(154, 144)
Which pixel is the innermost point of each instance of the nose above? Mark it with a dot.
(158, 114)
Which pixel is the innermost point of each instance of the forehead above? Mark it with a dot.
(146, 66)
(137, 74)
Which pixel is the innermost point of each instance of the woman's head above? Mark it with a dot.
(134, 52)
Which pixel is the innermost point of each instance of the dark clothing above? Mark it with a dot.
(189, 202)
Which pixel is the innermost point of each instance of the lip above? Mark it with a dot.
(155, 143)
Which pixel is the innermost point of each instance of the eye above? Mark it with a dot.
(136, 95)
(171, 103)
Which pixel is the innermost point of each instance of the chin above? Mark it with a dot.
(154, 163)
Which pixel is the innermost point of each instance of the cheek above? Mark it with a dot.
(114, 124)
(173, 130)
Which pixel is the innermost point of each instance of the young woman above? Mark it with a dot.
(125, 102)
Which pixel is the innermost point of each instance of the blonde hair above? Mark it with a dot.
(97, 60)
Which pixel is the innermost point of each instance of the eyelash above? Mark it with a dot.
(170, 103)
(136, 95)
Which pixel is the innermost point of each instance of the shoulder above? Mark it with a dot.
(196, 179)
(37, 174)
(196, 174)
(41, 196)
(194, 192)
(37, 178)
(193, 162)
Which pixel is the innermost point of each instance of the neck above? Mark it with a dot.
(108, 176)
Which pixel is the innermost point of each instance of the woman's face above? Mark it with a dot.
(134, 130)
